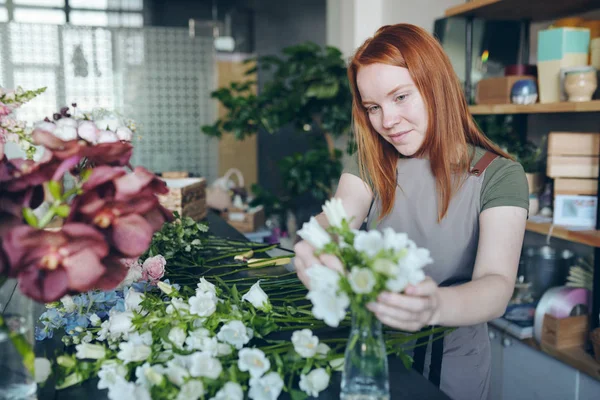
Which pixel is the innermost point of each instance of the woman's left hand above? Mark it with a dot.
(417, 307)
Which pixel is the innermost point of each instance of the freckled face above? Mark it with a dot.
(394, 106)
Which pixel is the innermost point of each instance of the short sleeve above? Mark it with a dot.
(505, 184)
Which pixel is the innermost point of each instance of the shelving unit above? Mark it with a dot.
(563, 107)
(527, 11)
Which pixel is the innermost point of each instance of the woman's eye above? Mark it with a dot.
(372, 109)
(401, 97)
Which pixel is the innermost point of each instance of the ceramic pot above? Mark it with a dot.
(524, 91)
(580, 84)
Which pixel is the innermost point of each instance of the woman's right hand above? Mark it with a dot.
(305, 258)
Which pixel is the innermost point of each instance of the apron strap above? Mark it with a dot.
(483, 163)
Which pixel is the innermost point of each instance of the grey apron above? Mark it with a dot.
(460, 364)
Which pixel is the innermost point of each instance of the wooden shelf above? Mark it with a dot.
(538, 108)
(589, 238)
(535, 10)
(577, 358)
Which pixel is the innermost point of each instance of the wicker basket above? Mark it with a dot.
(595, 337)
(187, 196)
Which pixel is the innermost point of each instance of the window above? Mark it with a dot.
(103, 18)
(40, 3)
(39, 15)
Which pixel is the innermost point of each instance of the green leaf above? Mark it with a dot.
(30, 217)
(55, 189)
(296, 394)
(62, 210)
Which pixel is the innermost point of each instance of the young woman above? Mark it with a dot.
(424, 168)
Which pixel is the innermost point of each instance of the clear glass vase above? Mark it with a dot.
(16, 344)
(365, 375)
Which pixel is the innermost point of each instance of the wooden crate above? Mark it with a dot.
(175, 174)
(573, 144)
(243, 221)
(564, 332)
(187, 196)
(572, 167)
(574, 186)
(497, 90)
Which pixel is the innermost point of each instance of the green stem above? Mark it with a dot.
(21, 344)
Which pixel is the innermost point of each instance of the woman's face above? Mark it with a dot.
(394, 106)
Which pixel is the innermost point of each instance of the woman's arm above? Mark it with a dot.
(501, 232)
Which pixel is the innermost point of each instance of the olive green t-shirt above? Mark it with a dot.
(504, 182)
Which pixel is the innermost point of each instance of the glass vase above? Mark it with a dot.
(365, 375)
(16, 344)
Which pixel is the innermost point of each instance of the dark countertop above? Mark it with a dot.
(404, 384)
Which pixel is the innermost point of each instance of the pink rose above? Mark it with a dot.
(153, 268)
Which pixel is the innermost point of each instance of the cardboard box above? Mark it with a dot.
(572, 167)
(497, 90)
(573, 144)
(574, 186)
(187, 196)
(245, 221)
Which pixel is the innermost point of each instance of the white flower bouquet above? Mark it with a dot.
(373, 262)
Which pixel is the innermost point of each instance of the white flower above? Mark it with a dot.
(315, 382)
(337, 364)
(177, 370)
(108, 123)
(164, 287)
(361, 280)
(314, 233)
(46, 126)
(305, 343)
(253, 361)
(191, 390)
(95, 320)
(323, 350)
(257, 297)
(90, 351)
(203, 304)
(88, 131)
(42, 369)
(369, 242)
(87, 338)
(178, 304)
(103, 332)
(234, 333)
(202, 342)
(133, 300)
(124, 133)
(134, 274)
(335, 212)
(329, 307)
(266, 388)
(386, 267)
(397, 284)
(229, 391)
(416, 276)
(323, 278)
(394, 241)
(65, 133)
(68, 304)
(149, 375)
(109, 372)
(137, 348)
(203, 364)
(177, 336)
(107, 137)
(206, 286)
(123, 390)
(223, 349)
(120, 323)
(415, 258)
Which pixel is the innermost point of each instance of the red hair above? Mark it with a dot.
(450, 125)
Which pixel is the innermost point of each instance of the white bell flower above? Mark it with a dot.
(266, 388)
(396, 284)
(68, 303)
(203, 364)
(370, 242)
(329, 307)
(361, 280)
(42, 369)
(335, 212)
(133, 300)
(206, 286)
(120, 324)
(257, 297)
(149, 375)
(124, 133)
(130, 352)
(88, 131)
(394, 241)
(230, 391)
(109, 372)
(203, 304)
(124, 390)
(386, 267)
(191, 390)
(90, 351)
(234, 333)
(177, 336)
(254, 361)
(323, 278)
(314, 233)
(415, 258)
(305, 343)
(177, 370)
(314, 382)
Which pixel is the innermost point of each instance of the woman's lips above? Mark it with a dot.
(397, 137)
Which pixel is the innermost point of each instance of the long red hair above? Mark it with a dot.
(450, 125)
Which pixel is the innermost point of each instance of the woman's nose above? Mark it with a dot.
(390, 119)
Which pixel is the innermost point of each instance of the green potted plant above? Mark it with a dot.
(308, 89)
